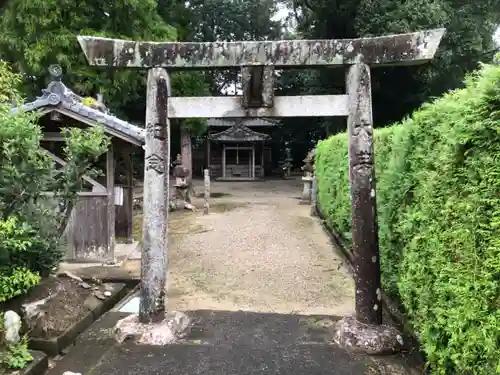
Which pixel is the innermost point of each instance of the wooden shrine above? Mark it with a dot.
(104, 208)
(237, 152)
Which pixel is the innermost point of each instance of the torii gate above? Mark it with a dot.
(257, 60)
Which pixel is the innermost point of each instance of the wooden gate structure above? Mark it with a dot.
(257, 60)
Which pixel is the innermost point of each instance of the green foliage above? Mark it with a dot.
(330, 167)
(9, 83)
(221, 20)
(82, 149)
(15, 356)
(21, 245)
(438, 178)
(18, 355)
(89, 101)
(469, 25)
(31, 221)
(16, 282)
(24, 166)
(36, 34)
(191, 84)
(210, 21)
(27, 172)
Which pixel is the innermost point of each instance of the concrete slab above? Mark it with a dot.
(234, 359)
(123, 273)
(222, 342)
(89, 347)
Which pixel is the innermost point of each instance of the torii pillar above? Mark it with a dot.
(257, 59)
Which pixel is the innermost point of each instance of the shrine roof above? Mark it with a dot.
(239, 133)
(59, 98)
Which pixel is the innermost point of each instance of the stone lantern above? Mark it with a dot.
(181, 174)
(308, 177)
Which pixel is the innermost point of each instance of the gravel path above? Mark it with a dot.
(263, 253)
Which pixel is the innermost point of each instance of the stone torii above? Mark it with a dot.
(257, 60)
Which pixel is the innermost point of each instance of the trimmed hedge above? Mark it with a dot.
(438, 198)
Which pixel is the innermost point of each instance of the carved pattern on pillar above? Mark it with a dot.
(156, 163)
(362, 177)
(157, 129)
(364, 333)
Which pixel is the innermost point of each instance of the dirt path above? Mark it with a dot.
(258, 250)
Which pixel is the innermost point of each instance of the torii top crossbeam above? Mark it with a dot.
(401, 49)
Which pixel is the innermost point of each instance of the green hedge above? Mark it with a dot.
(438, 198)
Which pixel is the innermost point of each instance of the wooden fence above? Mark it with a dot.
(87, 232)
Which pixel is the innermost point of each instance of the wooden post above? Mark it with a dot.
(223, 161)
(288, 161)
(156, 193)
(110, 188)
(364, 207)
(252, 167)
(206, 178)
(187, 152)
(208, 152)
(129, 201)
(262, 162)
(313, 196)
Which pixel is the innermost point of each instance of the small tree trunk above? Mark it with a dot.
(187, 152)
(206, 177)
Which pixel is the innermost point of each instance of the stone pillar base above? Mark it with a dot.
(358, 337)
(306, 192)
(174, 327)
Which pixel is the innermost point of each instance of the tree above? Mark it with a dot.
(222, 20)
(211, 21)
(32, 222)
(396, 91)
(189, 84)
(36, 34)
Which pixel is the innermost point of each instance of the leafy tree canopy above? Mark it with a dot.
(36, 34)
(396, 91)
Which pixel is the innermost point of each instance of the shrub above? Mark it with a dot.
(15, 356)
(16, 282)
(26, 173)
(22, 246)
(31, 221)
(438, 200)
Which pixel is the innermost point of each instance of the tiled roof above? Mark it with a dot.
(239, 133)
(58, 97)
